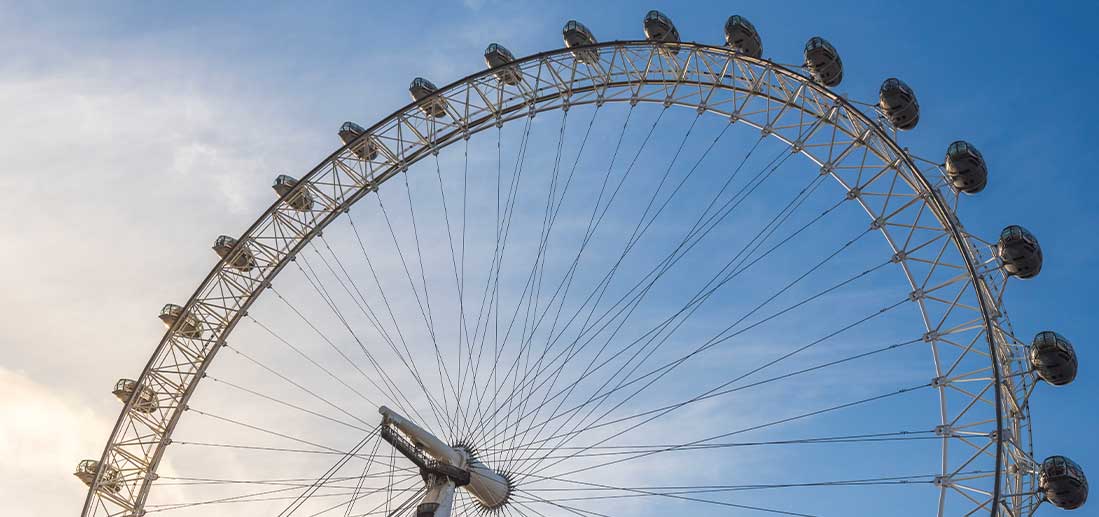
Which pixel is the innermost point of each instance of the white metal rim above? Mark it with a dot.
(706, 78)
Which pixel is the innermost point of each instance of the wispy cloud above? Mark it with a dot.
(43, 431)
(108, 167)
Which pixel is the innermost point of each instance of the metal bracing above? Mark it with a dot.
(982, 377)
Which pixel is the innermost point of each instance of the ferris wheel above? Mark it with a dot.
(624, 278)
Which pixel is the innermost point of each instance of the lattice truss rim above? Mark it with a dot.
(913, 209)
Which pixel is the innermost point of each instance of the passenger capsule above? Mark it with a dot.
(575, 35)
(1020, 252)
(190, 327)
(898, 101)
(110, 481)
(243, 260)
(349, 131)
(741, 35)
(1052, 357)
(823, 61)
(421, 90)
(1063, 483)
(146, 401)
(301, 201)
(659, 28)
(966, 167)
(500, 60)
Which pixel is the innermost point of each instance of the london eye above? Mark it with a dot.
(628, 277)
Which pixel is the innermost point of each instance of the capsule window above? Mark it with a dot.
(285, 181)
(1014, 232)
(814, 43)
(351, 127)
(1060, 466)
(420, 82)
(574, 25)
(736, 19)
(86, 470)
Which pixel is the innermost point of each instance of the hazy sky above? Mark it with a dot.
(133, 133)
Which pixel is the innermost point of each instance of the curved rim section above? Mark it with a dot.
(782, 103)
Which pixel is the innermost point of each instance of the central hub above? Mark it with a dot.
(444, 468)
(489, 487)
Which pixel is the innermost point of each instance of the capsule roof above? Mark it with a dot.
(959, 147)
(818, 42)
(171, 309)
(125, 384)
(89, 468)
(88, 465)
(737, 19)
(1047, 338)
(1061, 461)
(575, 26)
(1060, 466)
(351, 127)
(224, 241)
(497, 55)
(285, 180)
(420, 82)
(1015, 232)
(894, 83)
(658, 17)
(496, 48)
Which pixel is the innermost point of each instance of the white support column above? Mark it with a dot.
(438, 501)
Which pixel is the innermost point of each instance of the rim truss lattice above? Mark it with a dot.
(981, 375)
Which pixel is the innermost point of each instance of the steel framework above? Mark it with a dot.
(982, 378)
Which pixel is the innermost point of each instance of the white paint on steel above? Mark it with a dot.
(489, 487)
(701, 77)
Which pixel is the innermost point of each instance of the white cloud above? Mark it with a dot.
(117, 177)
(43, 437)
(119, 168)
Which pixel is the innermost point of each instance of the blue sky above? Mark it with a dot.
(136, 132)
